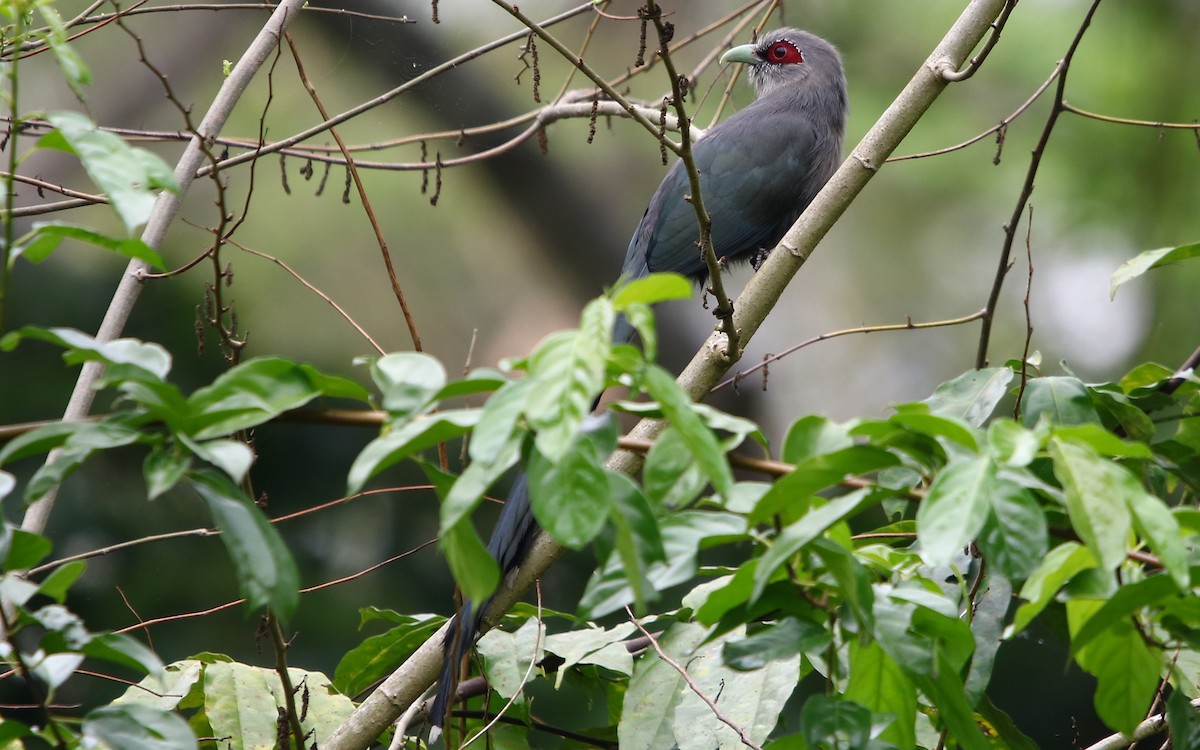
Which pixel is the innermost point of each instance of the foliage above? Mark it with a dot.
(852, 587)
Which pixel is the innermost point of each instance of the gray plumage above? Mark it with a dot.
(759, 169)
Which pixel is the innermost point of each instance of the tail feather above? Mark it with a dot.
(514, 533)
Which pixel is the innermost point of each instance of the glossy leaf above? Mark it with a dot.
(1098, 496)
(955, 508)
(45, 238)
(267, 575)
(132, 726)
(1151, 259)
(811, 525)
(878, 683)
(812, 436)
(128, 176)
(409, 381)
(1059, 400)
(972, 396)
(401, 443)
(652, 289)
(81, 347)
(568, 369)
(378, 655)
(1053, 572)
(700, 440)
(1014, 538)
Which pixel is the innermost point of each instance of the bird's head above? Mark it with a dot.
(787, 57)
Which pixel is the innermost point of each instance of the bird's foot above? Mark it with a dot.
(759, 257)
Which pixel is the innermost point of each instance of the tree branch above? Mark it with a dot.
(165, 210)
(410, 680)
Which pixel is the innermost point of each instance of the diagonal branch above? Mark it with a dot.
(409, 681)
(165, 210)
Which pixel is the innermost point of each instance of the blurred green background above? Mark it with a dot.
(517, 243)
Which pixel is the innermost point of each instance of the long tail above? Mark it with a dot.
(514, 533)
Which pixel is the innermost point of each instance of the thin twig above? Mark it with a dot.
(380, 240)
(906, 326)
(1035, 160)
(741, 733)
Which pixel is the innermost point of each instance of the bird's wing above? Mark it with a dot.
(752, 172)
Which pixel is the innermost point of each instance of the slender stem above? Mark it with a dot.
(14, 127)
(724, 308)
(1035, 160)
(281, 668)
(165, 210)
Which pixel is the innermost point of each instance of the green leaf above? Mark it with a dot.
(648, 706)
(670, 475)
(377, 656)
(507, 656)
(482, 380)
(1182, 721)
(56, 584)
(1011, 444)
(674, 553)
(1062, 564)
(777, 641)
(409, 382)
(1125, 667)
(1060, 400)
(700, 440)
(818, 473)
(936, 426)
(853, 580)
(230, 456)
(827, 721)
(266, 572)
(128, 176)
(568, 370)
(7, 484)
(652, 289)
(1156, 524)
(1099, 493)
(249, 394)
(638, 546)
(475, 480)
(987, 625)
(751, 700)
(1014, 537)
(953, 512)
(81, 347)
(119, 648)
(812, 436)
(972, 396)
(45, 238)
(54, 472)
(474, 570)
(641, 317)
(26, 549)
(1150, 259)
(132, 726)
(570, 498)
(413, 437)
(878, 683)
(1102, 441)
(811, 525)
(84, 436)
(1128, 601)
(73, 67)
(163, 468)
(239, 705)
(177, 685)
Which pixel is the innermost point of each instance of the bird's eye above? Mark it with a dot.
(784, 53)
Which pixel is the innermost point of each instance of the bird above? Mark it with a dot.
(759, 169)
